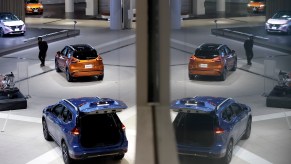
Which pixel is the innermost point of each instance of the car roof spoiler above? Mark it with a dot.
(190, 105)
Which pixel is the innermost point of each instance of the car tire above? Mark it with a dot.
(100, 77)
(223, 74)
(68, 76)
(234, 66)
(65, 154)
(228, 155)
(46, 134)
(118, 157)
(248, 130)
(57, 67)
(1, 32)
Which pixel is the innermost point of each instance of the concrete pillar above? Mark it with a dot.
(155, 141)
(198, 7)
(92, 7)
(69, 8)
(115, 15)
(220, 8)
(175, 14)
(126, 14)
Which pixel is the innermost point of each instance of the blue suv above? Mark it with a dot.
(209, 127)
(86, 127)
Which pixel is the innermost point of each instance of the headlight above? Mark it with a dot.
(283, 25)
(249, 5)
(28, 7)
(41, 7)
(262, 5)
(267, 24)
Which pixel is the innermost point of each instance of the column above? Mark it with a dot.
(115, 15)
(92, 7)
(155, 142)
(198, 7)
(69, 8)
(220, 8)
(127, 14)
(175, 14)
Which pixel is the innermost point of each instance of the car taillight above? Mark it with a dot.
(218, 130)
(99, 58)
(193, 58)
(75, 131)
(123, 127)
(217, 59)
(74, 60)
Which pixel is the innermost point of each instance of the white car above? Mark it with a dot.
(280, 22)
(10, 24)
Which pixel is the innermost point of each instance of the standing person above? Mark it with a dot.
(248, 45)
(42, 45)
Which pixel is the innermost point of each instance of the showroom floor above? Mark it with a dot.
(21, 131)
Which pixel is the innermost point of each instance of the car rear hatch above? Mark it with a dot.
(206, 59)
(87, 60)
(194, 124)
(99, 124)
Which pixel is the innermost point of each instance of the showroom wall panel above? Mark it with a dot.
(14, 6)
(274, 6)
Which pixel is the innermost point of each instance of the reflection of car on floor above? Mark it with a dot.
(33, 7)
(212, 60)
(86, 127)
(280, 22)
(78, 61)
(10, 24)
(210, 127)
(257, 6)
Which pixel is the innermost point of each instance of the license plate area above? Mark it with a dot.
(203, 65)
(88, 66)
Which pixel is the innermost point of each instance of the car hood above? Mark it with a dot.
(277, 21)
(13, 23)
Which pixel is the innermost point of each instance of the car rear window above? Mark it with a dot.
(194, 129)
(82, 53)
(206, 53)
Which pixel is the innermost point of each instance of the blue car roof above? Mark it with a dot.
(198, 104)
(96, 105)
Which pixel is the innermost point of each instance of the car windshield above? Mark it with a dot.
(83, 53)
(282, 15)
(32, 1)
(8, 17)
(206, 53)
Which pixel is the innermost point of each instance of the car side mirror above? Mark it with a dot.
(233, 51)
(1, 21)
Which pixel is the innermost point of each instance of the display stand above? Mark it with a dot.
(22, 78)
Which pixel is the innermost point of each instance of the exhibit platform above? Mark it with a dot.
(12, 102)
(279, 97)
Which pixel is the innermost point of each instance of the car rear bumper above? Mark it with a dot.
(94, 154)
(215, 152)
(214, 72)
(86, 73)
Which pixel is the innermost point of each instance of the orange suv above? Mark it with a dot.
(33, 7)
(212, 60)
(78, 61)
(257, 6)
